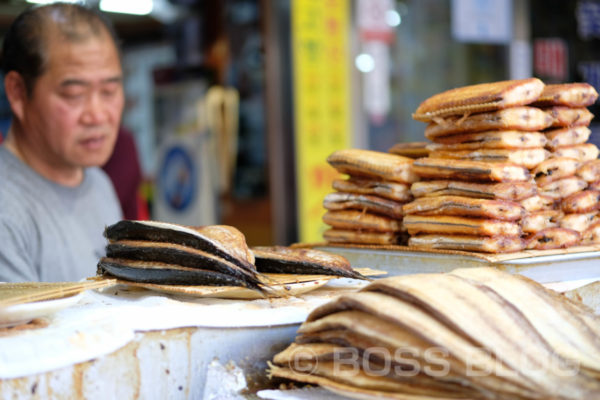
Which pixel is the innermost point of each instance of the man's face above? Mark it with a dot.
(73, 114)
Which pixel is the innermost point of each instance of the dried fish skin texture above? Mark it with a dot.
(553, 238)
(577, 94)
(439, 224)
(438, 168)
(374, 164)
(477, 243)
(528, 158)
(375, 204)
(390, 190)
(516, 118)
(480, 97)
(410, 149)
(569, 116)
(512, 191)
(466, 207)
(361, 221)
(503, 139)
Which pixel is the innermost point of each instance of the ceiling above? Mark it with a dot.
(131, 29)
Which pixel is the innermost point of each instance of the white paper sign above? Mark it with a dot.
(482, 21)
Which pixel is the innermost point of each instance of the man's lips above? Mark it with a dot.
(93, 143)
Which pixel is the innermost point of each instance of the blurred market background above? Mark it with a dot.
(235, 104)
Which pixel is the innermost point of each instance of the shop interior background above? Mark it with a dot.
(211, 87)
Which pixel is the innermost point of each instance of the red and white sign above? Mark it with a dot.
(551, 59)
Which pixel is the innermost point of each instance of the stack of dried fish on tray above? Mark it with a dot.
(566, 181)
(485, 140)
(475, 333)
(152, 252)
(366, 207)
(164, 253)
(477, 190)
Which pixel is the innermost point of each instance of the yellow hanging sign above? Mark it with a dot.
(320, 40)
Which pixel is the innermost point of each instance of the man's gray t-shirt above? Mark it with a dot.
(50, 232)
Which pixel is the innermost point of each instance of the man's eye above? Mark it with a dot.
(73, 94)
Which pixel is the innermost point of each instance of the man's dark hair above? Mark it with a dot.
(24, 47)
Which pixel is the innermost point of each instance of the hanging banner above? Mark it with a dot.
(321, 70)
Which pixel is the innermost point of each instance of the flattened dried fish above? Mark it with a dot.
(479, 98)
(343, 201)
(168, 274)
(223, 241)
(390, 190)
(465, 206)
(177, 254)
(504, 190)
(288, 260)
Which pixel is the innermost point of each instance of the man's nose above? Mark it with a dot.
(95, 111)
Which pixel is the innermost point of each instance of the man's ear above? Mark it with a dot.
(14, 86)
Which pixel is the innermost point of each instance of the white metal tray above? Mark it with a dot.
(581, 263)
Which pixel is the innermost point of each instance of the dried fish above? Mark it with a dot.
(281, 259)
(223, 241)
(177, 254)
(168, 274)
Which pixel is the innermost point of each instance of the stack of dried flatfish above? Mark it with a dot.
(476, 333)
(485, 140)
(165, 253)
(568, 177)
(366, 207)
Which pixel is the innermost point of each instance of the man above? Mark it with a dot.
(63, 80)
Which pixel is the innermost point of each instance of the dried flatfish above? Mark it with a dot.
(504, 190)
(373, 164)
(581, 152)
(168, 274)
(564, 330)
(515, 118)
(528, 158)
(390, 190)
(582, 202)
(480, 97)
(589, 171)
(288, 260)
(335, 235)
(503, 139)
(343, 201)
(567, 136)
(465, 206)
(402, 324)
(443, 224)
(553, 238)
(486, 244)
(359, 220)
(224, 241)
(410, 149)
(555, 168)
(576, 94)
(569, 116)
(489, 321)
(439, 168)
(184, 256)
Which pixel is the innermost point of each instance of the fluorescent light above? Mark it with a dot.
(53, 1)
(137, 7)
